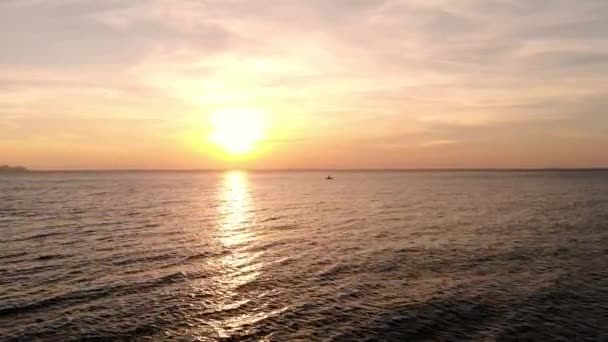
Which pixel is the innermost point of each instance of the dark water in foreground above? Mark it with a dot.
(289, 256)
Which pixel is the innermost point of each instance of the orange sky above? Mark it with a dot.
(339, 84)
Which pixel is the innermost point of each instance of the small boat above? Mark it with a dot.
(329, 178)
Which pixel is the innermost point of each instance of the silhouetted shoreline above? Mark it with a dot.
(12, 169)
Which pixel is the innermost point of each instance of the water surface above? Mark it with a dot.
(394, 256)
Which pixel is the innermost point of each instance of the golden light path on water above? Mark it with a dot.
(238, 266)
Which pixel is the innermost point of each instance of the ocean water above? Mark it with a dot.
(368, 256)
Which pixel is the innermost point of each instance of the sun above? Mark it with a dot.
(236, 130)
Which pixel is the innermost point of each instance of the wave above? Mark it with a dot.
(89, 295)
(38, 236)
(13, 255)
(46, 257)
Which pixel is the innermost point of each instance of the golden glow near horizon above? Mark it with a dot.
(236, 130)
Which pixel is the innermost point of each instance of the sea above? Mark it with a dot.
(291, 256)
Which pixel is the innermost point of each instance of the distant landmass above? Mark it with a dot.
(12, 169)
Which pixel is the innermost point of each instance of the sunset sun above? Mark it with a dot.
(236, 130)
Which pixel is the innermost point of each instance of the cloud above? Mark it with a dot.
(435, 143)
(67, 33)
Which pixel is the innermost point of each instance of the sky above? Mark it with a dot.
(114, 84)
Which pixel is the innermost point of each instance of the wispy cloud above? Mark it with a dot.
(435, 143)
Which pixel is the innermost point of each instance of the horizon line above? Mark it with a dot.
(328, 169)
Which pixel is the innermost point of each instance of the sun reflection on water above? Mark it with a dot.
(235, 214)
(238, 266)
(232, 302)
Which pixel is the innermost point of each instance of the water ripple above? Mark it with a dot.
(281, 257)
